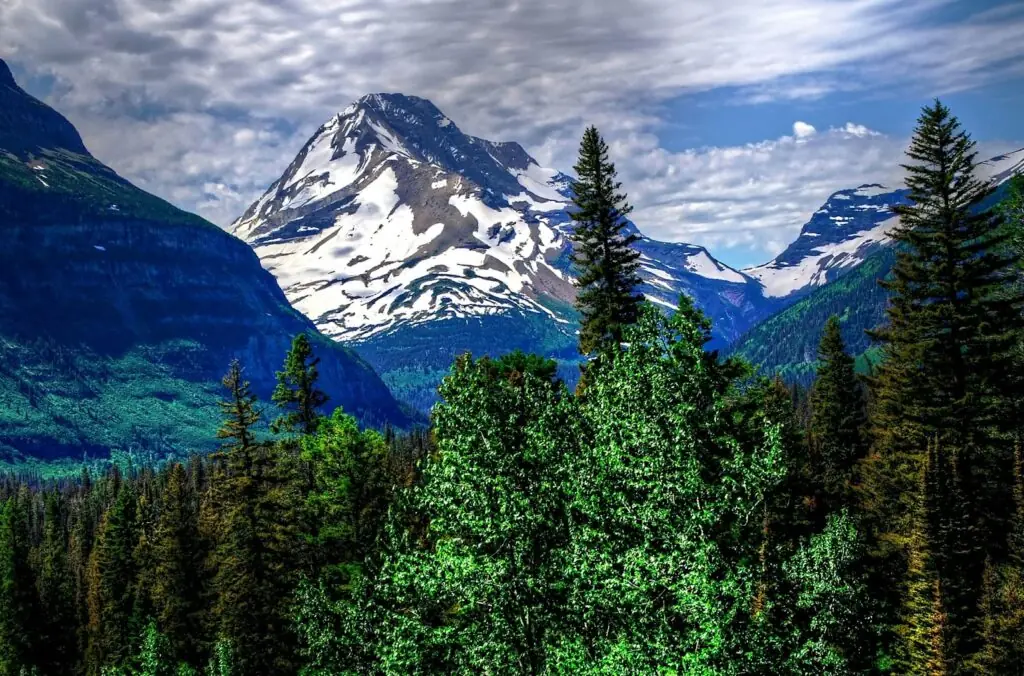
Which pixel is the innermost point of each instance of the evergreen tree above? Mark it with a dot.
(255, 539)
(19, 613)
(838, 417)
(111, 585)
(296, 390)
(240, 417)
(175, 590)
(923, 627)
(1001, 611)
(56, 592)
(947, 349)
(602, 239)
(81, 519)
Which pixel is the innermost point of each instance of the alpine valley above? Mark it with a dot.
(119, 313)
(413, 242)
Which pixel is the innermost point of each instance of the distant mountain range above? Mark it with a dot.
(393, 235)
(119, 312)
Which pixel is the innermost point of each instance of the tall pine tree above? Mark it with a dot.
(947, 348)
(19, 613)
(253, 576)
(177, 556)
(56, 591)
(838, 417)
(606, 262)
(296, 390)
(111, 585)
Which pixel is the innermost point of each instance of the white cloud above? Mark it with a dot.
(857, 130)
(177, 95)
(753, 196)
(803, 130)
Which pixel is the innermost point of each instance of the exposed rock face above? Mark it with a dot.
(100, 282)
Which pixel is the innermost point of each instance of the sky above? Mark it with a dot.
(730, 122)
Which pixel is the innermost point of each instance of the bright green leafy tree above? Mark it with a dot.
(468, 574)
(664, 505)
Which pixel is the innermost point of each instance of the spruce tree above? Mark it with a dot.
(947, 348)
(838, 417)
(253, 551)
(240, 417)
(923, 626)
(606, 263)
(19, 613)
(296, 390)
(175, 588)
(111, 584)
(56, 591)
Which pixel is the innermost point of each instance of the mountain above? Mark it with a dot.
(787, 342)
(842, 234)
(396, 232)
(119, 312)
(849, 228)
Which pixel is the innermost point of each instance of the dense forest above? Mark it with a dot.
(675, 513)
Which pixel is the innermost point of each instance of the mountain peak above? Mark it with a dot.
(6, 77)
(1000, 168)
(28, 125)
(395, 107)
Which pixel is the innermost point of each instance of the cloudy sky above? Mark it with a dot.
(730, 121)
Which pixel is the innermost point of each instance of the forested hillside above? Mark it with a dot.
(787, 343)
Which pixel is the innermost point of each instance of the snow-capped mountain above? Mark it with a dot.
(847, 229)
(392, 218)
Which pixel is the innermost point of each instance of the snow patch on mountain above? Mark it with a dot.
(704, 265)
(999, 169)
(823, 265)
(847, 229)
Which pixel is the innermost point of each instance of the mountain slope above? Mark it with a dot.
(851, 226)
(395, 231)
(842, 234)
(119, 312)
